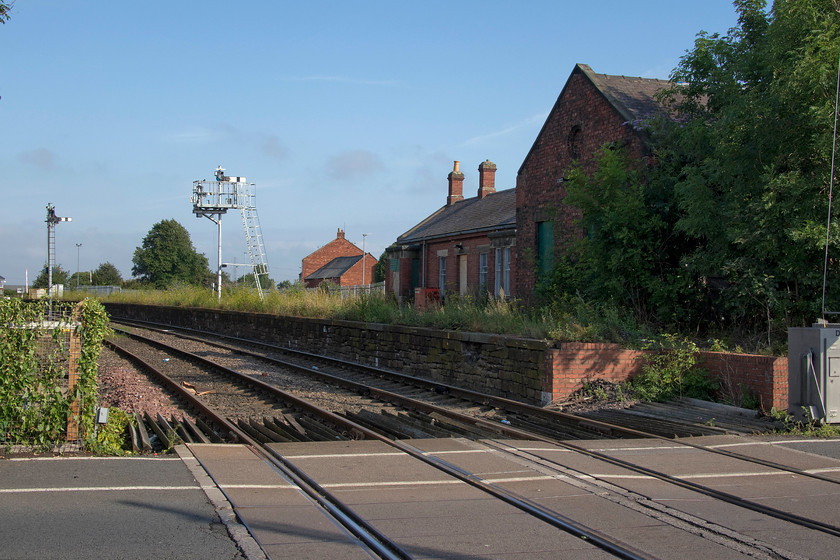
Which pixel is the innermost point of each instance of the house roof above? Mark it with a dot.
(634, 98)
(335, 268)
(492, 212)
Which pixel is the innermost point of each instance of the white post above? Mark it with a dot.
(364, 256)
(219, 269)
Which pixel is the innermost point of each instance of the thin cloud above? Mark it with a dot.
(275, 148)
(530, 121)
(353, 165)
(41, 158)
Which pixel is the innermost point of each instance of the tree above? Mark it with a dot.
(5, 8)
(107, 275)
(81, 278)
(381, 267)
(749, 161)
(167, 258)
(59, 277)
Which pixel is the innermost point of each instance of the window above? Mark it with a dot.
(502, 280)
(482, 270)
(573, 142)
(545, 247)
(442, 274)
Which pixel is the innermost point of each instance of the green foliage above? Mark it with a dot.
(34, 406)
(107, 274)
(749, 162)
(59, 277)
(381, 267)
(727, 230)
(670, 371)
(5, 8)
(112, 437)
(94, 328)
(167, 258)
(809, 427)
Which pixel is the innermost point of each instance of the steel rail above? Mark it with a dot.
(605, 428)
(520, 434)
(368, 534)
(557, 520)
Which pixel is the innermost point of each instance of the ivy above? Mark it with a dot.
(34, 358)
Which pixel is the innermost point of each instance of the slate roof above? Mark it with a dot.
(493, 212)
(335, 268)
(634, 98)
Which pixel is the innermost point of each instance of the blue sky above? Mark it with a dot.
(345, 114)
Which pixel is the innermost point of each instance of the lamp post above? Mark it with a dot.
(78, 252)
(364, 257)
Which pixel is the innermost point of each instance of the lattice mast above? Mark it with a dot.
(52, 221)
(212, 199)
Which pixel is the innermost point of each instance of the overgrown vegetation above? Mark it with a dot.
(34, 357)
(671, 371)
(807, 427)
(724, 229)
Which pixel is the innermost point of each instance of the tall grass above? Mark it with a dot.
(580, 322)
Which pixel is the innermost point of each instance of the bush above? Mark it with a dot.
(669, 371)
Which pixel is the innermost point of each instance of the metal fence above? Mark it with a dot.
(101, 291)
(351, 291)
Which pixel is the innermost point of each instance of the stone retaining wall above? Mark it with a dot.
(533, 371)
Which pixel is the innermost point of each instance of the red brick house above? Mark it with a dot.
(591, 111)
(465, 247)
(338, 262)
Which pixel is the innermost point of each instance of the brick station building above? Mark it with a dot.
(465, 247)
(591, 111)
(521, 231)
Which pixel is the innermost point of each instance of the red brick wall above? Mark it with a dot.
(338, 247)
(353, 277)
(575, 363)
(539, 191)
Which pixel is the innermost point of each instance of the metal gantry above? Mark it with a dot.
(212, 199)
(52, 220)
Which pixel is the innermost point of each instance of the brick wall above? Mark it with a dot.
(533, 371)
(575, 363)
(580, 123)
(338, 247)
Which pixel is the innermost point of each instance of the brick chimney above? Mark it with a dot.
(340, 234)
(486, 178)
(456, 186)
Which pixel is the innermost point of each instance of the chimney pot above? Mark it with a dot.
(456, 186)
(486, 178)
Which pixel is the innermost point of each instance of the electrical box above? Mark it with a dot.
(814, 372)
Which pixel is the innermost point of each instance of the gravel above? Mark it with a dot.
(123, 386)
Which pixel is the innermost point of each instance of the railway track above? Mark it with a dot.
(491, 434)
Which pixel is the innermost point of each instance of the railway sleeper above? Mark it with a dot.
(259, 425)
(181, 430)
(324, 432)
(210, 432)
(198, 435)
(374, 426)
(429, 424)
(291, 421)
(245, 426)
(465, 429)
(413, 427)
(142, 433)
(293, 432)
(281, 433)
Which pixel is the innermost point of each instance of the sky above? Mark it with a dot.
(343, 114)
